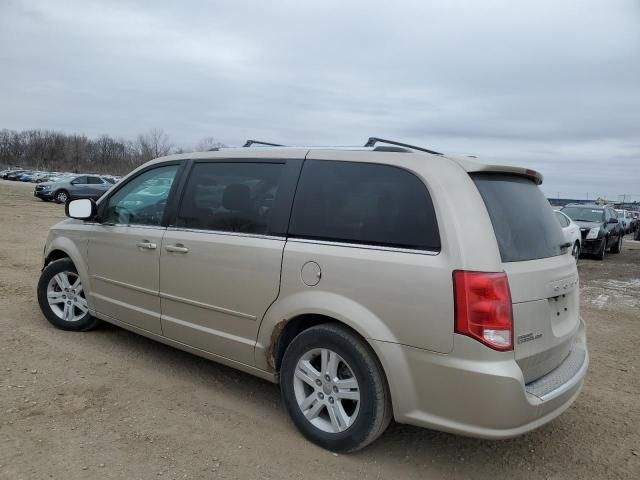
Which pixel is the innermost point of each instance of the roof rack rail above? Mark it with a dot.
(248, 143)
(373, 140)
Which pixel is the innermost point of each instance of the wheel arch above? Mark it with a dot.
(55, 255)
(62, 247)
(295, 313)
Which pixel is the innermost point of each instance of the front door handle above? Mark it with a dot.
(177, 248)
(147, 245)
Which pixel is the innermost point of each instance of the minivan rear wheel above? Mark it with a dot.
(61, 297)
(334, 388)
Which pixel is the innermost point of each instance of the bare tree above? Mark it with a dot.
(45, 149)
(207, 143)
(153, 144)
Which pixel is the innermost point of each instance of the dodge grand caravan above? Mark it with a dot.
(346, 275)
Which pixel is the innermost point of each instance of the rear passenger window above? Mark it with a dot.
(363, 203)
(94, 181)
(230, 197)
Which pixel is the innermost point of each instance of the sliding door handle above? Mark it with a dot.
(147, 245)
(177, 248)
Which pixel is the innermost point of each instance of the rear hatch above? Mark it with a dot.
(543, 277)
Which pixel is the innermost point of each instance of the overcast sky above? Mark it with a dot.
(552, 85)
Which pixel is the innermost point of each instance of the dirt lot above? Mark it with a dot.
(110, 404)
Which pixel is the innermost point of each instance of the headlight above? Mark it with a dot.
(46, 187)
(593, 233)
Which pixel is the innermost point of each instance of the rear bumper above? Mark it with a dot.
(477, 392)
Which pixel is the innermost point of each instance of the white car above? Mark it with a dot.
(571, 232)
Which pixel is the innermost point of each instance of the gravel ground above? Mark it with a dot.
(111, 404)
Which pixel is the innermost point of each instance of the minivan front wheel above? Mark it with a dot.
(62, 298)
(334, 388)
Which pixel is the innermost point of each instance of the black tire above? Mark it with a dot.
(64, 265)
(61, 196)
(617, 248)
(602, 250)
(375, 411)
(575, 252)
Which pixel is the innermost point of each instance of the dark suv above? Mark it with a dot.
(599, 228)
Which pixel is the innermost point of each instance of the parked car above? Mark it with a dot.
(41, 177)
(632, 220)
(13, 175)
(111, 178)
(25, 176)
(74, 186)
(571, 232)
(339, 274)
(5, 173)
(624, 221)
(599, 227)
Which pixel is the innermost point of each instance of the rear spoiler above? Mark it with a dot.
(476, 167)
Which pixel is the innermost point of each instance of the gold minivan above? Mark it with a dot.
(371, 283)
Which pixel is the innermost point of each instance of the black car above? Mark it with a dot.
(13, 174)
(599, 228)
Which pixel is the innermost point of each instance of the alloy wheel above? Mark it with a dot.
(65, 296)
(326, 390)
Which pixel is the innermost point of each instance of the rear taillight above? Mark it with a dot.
(483, 308)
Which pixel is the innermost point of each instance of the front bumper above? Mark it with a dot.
(477, 392)
(46, 194)
(591, 246)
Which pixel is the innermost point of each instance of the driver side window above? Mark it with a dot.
(142, 200)
(79, 181)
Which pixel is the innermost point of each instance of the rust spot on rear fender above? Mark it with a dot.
(273, 344)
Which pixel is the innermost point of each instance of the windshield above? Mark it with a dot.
(584, 214)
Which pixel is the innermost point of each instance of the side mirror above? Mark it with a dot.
(80, 209)
(613, 220)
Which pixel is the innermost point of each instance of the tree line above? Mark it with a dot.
(56, 151)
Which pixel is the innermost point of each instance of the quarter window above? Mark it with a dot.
(230, 197)
(364, 203)
(142, 200)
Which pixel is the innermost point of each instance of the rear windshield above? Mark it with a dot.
(584, 214)
(523, 221)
